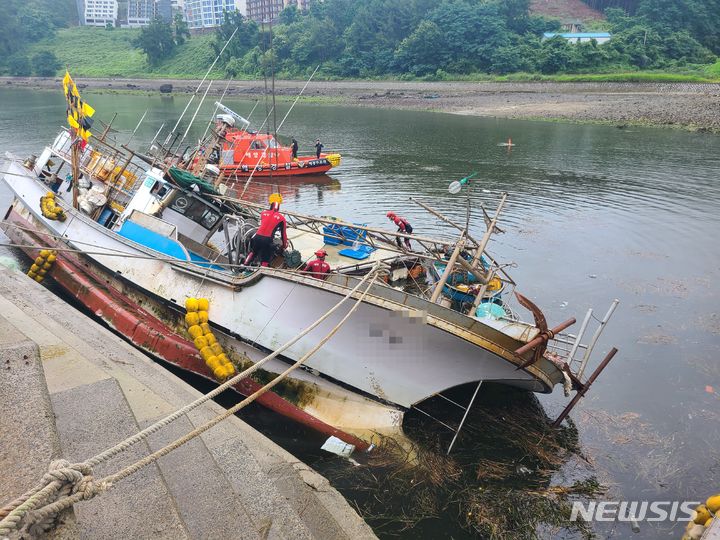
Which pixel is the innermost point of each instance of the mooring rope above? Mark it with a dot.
(66, 484)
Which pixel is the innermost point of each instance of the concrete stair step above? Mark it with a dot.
(29, 439)
(203, 496)
(91, 418)
(230, 482)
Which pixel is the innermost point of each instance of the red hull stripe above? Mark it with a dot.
(146, 331)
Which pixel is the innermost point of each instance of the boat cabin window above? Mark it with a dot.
(257, 145)
(195, 210)
(159, 190)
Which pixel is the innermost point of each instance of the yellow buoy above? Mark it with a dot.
(200, 342)
(216, 348)
(51, 258)
(195, 331)
(206, 328)
(713, 503)
(702, 515)
(213, 363)
(206, 353)
(50, 194)
(47, 266)
(44, 253)
(210, 338)
(203, 304)
(191, 304)
(32, 274)
(34, 268)
(39, 278)
(39, 261)
(203, 316)
(494, 285)
(191, 318)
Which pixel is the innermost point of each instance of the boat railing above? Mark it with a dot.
(570, 347)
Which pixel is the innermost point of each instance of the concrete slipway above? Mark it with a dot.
(70, 388)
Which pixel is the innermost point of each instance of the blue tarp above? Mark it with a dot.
(158, 242)
(360, 253)
(343, 234)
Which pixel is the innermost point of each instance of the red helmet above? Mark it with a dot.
(321, 253)
(391, 215)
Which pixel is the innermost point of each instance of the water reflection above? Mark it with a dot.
(594, 213)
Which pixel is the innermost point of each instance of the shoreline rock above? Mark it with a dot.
(692, 106)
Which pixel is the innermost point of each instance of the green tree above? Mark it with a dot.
(555, 55)
(246, 37)
(19, 66)
(289, 15)
(698, 17)
(182, 30)
(45, 64)
(157, 41)
(422, 52)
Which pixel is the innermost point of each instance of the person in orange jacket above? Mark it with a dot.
(271, 221)
(403, 227)
(318, 268)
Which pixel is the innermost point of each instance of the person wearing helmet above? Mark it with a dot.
(318, 268)
(403, 227)
(271, 221)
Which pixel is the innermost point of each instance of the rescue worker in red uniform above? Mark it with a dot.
(403, 227)
(271, 221)
(318, 268)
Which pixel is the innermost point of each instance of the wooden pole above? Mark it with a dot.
(469, 237)
(448, 270)
(488, 233)
(443, 218)
(481, 293)
(75, 155)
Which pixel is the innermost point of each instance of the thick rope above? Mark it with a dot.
(62, 481)
(64, 484)
(114, 478)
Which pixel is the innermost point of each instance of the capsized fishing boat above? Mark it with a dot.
(238, 152)
(133, 244)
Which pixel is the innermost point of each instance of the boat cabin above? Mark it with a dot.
(249, 148)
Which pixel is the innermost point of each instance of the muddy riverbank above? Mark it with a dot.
(685, 105)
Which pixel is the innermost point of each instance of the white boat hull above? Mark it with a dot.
(398, 355)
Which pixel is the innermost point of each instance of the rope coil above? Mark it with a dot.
(61, 487)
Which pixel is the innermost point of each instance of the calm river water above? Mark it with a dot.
(594, 213)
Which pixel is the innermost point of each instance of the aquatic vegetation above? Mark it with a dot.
(501, 480)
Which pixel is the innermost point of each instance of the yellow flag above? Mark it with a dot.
(79, 113)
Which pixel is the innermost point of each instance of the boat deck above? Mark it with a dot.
(307, 243)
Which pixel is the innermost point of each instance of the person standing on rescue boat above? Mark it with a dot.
(294, 147)
(318, 268)
(271, 221)
(403, 227)
(318, 148)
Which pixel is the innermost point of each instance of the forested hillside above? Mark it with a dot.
(423, 37)
(437, 39)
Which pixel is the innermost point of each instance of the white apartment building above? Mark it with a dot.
(209, 13)
(100, 12)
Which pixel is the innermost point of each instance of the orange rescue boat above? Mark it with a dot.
(246, 151)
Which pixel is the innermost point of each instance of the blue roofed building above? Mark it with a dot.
(580, 37)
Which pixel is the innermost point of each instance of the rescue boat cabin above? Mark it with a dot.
(246, 151)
